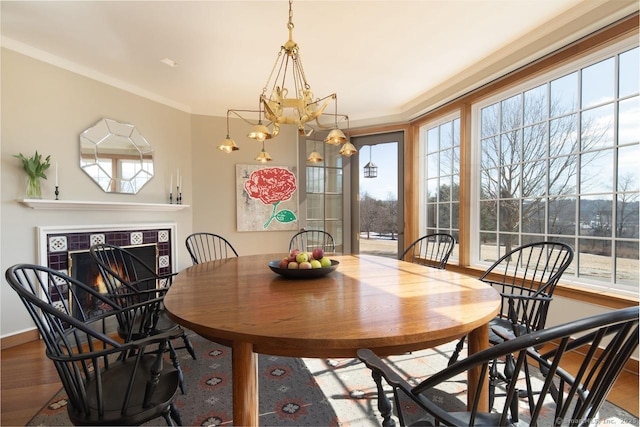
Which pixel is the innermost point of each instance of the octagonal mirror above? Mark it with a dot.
(116, 156)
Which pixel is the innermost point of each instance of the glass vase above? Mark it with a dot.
(34, 191)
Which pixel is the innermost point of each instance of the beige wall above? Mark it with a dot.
(214, 180)
(45, 108)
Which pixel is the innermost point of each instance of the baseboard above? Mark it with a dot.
(21, 338)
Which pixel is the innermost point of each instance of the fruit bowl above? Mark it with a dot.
(302, 274)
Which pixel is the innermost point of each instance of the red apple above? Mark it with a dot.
(317, 253)
(305, 265)
(284, 262)
(293, 253)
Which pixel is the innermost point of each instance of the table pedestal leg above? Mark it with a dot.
(245, 384)
(478, 340)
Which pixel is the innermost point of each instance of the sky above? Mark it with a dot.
(385, 156)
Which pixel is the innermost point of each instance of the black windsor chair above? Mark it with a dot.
(205, 247)
(129, 281)
(432, 250)
(107, 382)
(607, 341)
(308, 240)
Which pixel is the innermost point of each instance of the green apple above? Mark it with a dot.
(315, 264)
(325, 262)
(302, 257)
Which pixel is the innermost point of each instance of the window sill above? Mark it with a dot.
(592, 296)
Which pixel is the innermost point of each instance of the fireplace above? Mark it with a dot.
(83, 268)
(59, 245)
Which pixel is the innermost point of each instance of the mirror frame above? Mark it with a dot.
(116, 156)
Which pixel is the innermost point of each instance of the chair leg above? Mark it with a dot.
(175, 414)
(188, 346)
(174, 359)
(167, 418)
(384, 404)
(456, 352)
(493, 382)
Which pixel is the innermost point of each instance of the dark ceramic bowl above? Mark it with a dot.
(302, 274)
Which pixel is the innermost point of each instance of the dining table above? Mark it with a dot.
(366, 301)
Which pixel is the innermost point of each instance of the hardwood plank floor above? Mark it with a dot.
(29, 380)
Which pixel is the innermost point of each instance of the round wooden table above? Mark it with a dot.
(383, 304)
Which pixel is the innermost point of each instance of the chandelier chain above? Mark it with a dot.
(290, 23)
(307, 86)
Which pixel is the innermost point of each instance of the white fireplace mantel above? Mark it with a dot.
(89, 205)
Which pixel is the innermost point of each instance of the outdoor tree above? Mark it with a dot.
(368, 213)
(530, 170)
(627, 208)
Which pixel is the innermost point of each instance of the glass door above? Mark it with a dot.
(377, 200)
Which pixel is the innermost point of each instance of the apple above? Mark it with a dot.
(325, 262)
(302, 257)
(317, 253)
(316, 264)
(283, 263)
(293, 253)
(305, 265)
(292, 265)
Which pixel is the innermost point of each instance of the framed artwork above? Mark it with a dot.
(267, 198)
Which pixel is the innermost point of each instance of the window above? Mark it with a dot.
(440, 169)
(324, 191)
(557, 160)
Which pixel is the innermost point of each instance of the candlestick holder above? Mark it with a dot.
(178, 196)
(170, 198)
(56, 192)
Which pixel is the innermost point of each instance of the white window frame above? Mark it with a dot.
(422, 153)
(476, 109)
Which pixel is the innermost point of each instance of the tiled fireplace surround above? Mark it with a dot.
(55, 243)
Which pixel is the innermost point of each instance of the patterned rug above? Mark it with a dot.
(289, 395)
(353, 395)
(303, 392)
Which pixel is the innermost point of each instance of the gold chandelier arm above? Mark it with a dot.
(237, 114)
(337, 118)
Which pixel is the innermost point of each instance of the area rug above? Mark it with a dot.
(289, 395)
(305, 392)
(353, 395)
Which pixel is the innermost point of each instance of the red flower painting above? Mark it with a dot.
(271, 186)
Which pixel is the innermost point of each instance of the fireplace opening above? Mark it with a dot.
(83, 268)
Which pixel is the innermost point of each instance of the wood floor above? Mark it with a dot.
(29, 380)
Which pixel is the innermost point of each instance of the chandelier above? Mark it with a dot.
(287, 99)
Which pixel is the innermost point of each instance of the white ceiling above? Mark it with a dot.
(390, 59)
